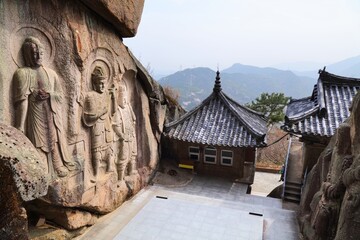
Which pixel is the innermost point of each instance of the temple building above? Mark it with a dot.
(218, 137)
(316, 118)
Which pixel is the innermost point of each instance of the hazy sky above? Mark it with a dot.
(178, 34)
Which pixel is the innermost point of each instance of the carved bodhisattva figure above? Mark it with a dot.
(125, 139)
(349, 221)
(97, 115)
(38, 98)
(327, 211)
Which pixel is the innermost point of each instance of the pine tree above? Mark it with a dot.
(271, 105)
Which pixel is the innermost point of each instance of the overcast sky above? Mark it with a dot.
(178, 34)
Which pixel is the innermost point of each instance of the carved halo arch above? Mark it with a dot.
(104, 58)
(28, 30)
(128, 80)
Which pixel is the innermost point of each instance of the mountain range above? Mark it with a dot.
(244, 83)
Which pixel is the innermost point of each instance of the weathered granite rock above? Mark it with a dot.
(330, 205)
(68, 218)
(48, 232)
(124, 15)
(311, 190)
(349, 220)
(326, 203)
(89, 108)
(21, 179)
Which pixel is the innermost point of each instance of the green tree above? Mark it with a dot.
(271, 105)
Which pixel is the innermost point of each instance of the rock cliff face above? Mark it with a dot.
(330, 203)
(90, 113)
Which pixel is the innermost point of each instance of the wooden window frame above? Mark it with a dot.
(193, 153)
(208, 155)
(226, 157)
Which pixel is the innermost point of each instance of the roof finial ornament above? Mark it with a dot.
(217, 86)
(322, 71)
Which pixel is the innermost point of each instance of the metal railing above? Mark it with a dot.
(285, 169)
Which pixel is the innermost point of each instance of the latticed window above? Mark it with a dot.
(194, 153)
(226, 157)
(210, 155)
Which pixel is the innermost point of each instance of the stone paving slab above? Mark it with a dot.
(171, 218)
(200, 208)
(181, 214)
(220, 188)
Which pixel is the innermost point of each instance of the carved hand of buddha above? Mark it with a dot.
(118, 132)
(112, 91)
(42, 95)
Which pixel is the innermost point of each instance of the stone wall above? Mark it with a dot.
(88, 107)
(330, 203)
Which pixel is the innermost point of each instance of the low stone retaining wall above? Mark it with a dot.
(268, 170)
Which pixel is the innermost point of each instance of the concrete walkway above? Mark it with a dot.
(207, 208)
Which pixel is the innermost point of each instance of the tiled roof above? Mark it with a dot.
(323, 112)
(221, 121)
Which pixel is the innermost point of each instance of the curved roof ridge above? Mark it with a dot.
(299, 99)
(190, 113)
(240, 118)
(324, 73)
(244, 107)
(322, 113)
(321, 102)
(300, 116)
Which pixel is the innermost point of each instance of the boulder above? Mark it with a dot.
(22, 179)
(68, 218)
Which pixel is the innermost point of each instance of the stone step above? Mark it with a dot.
(292, 189)
(292, 199)
(292, 193)
(293, 185)
(295, 198)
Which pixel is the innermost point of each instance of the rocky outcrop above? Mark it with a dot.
(67, 218)
(21, 179)
(124, 15)
(92, 113)
(330, 205)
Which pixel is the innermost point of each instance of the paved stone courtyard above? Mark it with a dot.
(182, 219)
(206, 208)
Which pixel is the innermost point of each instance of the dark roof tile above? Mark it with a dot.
(219, 120)
(323, 112)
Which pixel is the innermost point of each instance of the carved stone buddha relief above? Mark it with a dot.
(39, 100)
